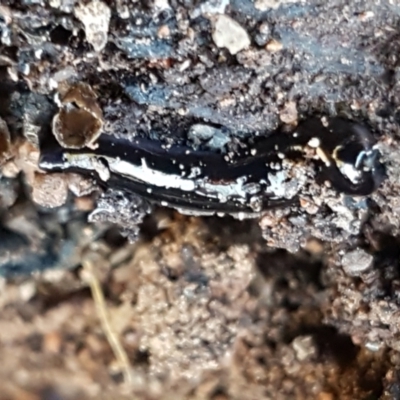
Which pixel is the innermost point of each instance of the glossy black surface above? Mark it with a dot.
(341, 142)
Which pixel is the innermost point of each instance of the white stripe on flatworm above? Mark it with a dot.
(238, 189)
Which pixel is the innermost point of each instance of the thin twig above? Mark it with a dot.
(101, 307)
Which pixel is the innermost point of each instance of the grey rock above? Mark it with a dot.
(228, 33)
(357, 262)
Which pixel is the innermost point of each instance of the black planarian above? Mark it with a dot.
(246, 181)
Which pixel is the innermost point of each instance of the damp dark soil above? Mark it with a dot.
(301, 304)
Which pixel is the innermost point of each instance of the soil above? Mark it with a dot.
(302, 304)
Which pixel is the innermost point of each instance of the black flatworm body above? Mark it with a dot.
(249, 180)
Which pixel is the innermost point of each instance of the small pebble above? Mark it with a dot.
(214, 137)
(374, 346)
(161, 4)
(228, 33)
(201, 132)
(366, 15)
(10, 169)
(326, 396)
(49, 190)
(273, 46)
(264, 29)
(357, 262)
(95, 16)
(27, 290)
(52, 342)
(79, 185)
(264, 5)
(5, 142)
(263, 35)
(304, 347)
(85, 203)
(210, 7)
(288, 114)
(163, 32)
